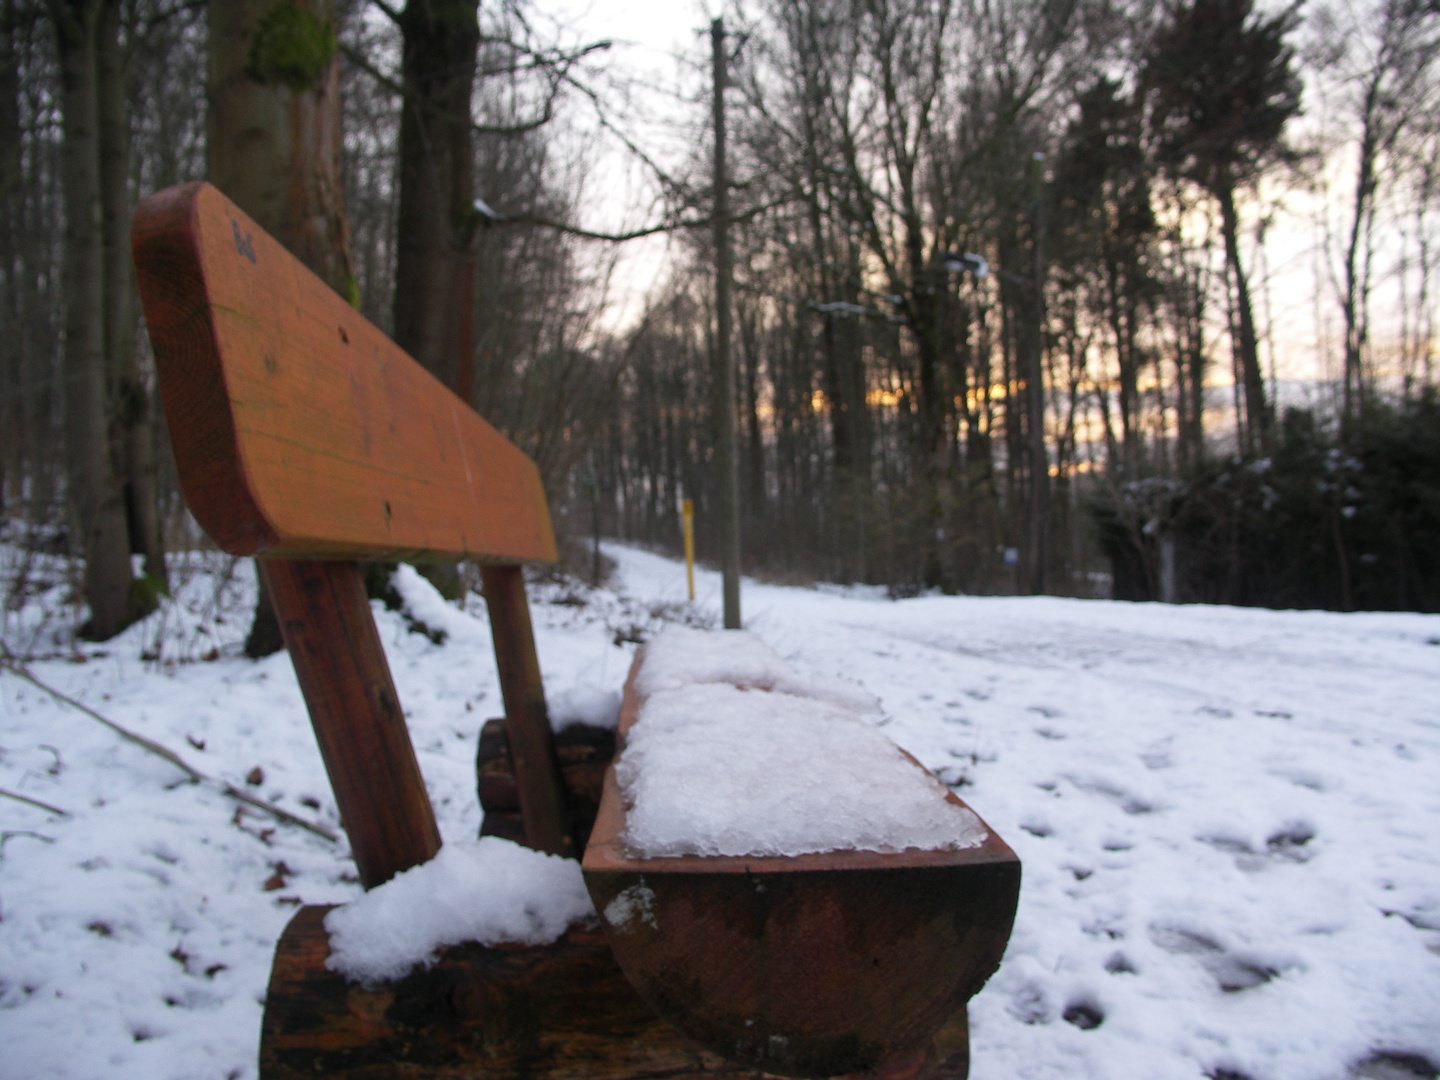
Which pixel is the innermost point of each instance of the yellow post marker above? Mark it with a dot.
(687, 513)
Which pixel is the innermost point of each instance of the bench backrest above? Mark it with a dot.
(299, 428)
(303, 434)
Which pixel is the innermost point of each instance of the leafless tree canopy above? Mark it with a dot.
(1073, 296)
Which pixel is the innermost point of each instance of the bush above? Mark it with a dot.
(1343, 522)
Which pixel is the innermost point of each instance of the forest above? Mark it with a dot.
(1123, 298)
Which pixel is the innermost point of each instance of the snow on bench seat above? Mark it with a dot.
(733, 752)
(781, 882)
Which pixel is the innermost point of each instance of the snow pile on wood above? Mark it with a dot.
(734, 753)
(492, 892)
(683, 656)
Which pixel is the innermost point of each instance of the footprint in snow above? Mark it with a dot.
(1120, 964)
(1128, 801)
(1395, 1065)
(1287, 844)
(1084, 1013)
(1232, 971)
(1029, 1006)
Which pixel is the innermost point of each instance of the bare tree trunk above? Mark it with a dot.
(274, 145)
(1354, 304)
(274, 127)
(727, 478)
(436, 215)
(1257, 411)
(754, 440)
(12, 395)
(1035, 398)
(1195, 345)
(99, 506)
(132, 432)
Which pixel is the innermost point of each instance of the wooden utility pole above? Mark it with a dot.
(724, 367)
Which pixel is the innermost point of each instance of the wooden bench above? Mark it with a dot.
(303, 436)
(807, 964)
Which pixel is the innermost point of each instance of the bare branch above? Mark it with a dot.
(635, 234)
(390, 12)
(9, 663)
(33, 802)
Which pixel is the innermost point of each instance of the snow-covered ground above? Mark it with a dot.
(1229, 819)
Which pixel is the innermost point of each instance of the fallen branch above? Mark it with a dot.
(9, 833)
(9, 663)
(33, 802)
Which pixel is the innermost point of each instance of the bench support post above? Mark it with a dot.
(527, 722)
(330, 634)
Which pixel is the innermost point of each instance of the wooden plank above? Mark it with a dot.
(809, 965)
(527, 721)
(559, 1012)
(330, 633)
(299, 429)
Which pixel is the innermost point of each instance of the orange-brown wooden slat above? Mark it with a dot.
(299, 428)
(340, 665)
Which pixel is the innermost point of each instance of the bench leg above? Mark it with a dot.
(527, 723)
(330, 634)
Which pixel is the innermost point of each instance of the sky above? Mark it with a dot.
(658, 42)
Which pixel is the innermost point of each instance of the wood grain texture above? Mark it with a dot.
(558, 1012)
(583, 753)
(527, 721)
(810, 965)
(330, 634)
(299, 429)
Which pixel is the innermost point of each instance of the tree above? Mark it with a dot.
(95, 492)
(274, 147)
(1385, 59)
(1222, 87)
(1104, 230)
(13, 411)
(132, 431)
(436, 219)
(274, 126)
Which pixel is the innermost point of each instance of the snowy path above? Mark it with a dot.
(1229, 820)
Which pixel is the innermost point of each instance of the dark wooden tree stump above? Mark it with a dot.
(558, 1012)
(583, 753)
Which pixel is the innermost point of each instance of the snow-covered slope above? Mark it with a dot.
(1229, 819)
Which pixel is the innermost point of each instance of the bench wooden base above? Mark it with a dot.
(559, 1012)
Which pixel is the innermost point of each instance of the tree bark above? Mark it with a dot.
(274, 130)
(436, 216)
(1035, 388)
(1354, 304)
(132, 429)
(274, 146)
(727, 481)
(94, 492)
(1257, 411)
(12, 395)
